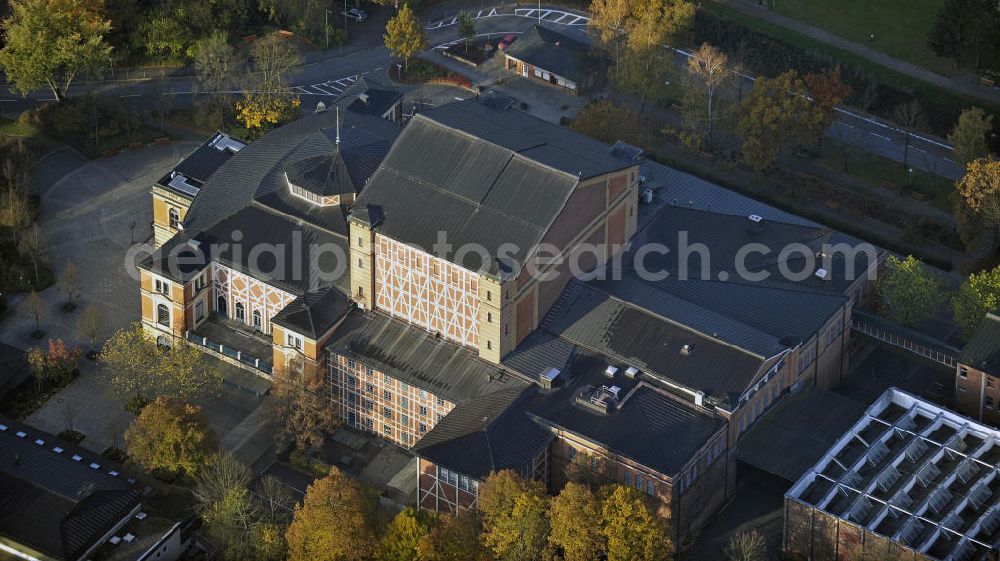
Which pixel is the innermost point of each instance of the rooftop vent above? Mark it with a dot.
(615, 392)
(363, 97)
(699, 398)
(685, 350)
(320, 107)
(610, 371)
(647, 196)
(755, 218)
(599, 400)
(549, 378)
(822, 273)
(756, 222)
(631, 372)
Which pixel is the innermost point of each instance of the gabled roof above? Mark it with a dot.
(982, 352)
(482, 176)
(314, 313)
(488, 434)
(551, 50)
(57, 502)
(418, 358)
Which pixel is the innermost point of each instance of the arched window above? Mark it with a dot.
(221, 307)
(163, 315)
(241, 314)
(199, 311)
(175, 218)
(257, 324)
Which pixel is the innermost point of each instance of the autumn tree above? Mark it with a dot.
(36, 307)
(466, 28)
(572, 517)
(68, 281)
(91, 324)
(401, 540)
(979, 190)
(49, 42)
(910, 116)
(54, 367)
(267, 94)
(127, 359)
(333, 523)
(223, 474)
(186, 373)
(172, 436)
(977, 296)
(908, 291)
(827, 91)
(610, 123)
(643, 27)
(404, 35)
(774, 116)
(515, 516)
(453, 538)
(746, 546)
(302, 414)
(708, 74)
(633, 533)
(969, 135)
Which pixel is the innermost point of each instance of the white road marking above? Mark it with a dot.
(878, 135)
(531, 13)
(321, 89)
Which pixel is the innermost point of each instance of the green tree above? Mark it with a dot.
(969, 136)
(214, 61)
(775, 117)
(466, 28)
(171, 436)
(186, 373)
(402, 537)
(572, 517)
(333, 523)
(908, 292)
(632, 532)
(237, 523)
(404, 35)
(49, 42)
(965, 30)
(978, 295)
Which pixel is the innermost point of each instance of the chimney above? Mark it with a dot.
(756, 223)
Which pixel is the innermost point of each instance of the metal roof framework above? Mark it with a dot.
(916, 473)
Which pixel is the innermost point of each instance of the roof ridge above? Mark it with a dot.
(681, 325)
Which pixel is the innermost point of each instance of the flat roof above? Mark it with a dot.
(915, 473)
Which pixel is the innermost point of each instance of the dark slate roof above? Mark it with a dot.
(602, 323)
(650, 426)
(324, 175)
(375, 101)
(982, 352)
(258, 170)
(488, 434)
(314, 313)
(53, 503)
(482, 176)
(200, 164)
(322, 262)
(553, 51)
(418, 358)
(798, 431)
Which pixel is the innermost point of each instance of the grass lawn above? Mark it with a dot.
(900, 26)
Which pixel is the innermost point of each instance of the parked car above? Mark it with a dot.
(355, 14)
(506, 41)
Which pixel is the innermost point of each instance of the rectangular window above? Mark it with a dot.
(423, 410)
(639, 483)
(423, 394)
(989, 382)
(989, 403)
(963, 372)
(351, 364)
(572, 454)
(370, 388)
(440, 402)
(627, 479)
(423, 428)
(404, 403)
(294, 342)
(352, 381)
(162, 287)
(387, 412)
(387, 430)
(361, 241)
(650, 488)
(387, 394)
(405, 437)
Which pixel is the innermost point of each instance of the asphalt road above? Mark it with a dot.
(326, 74)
